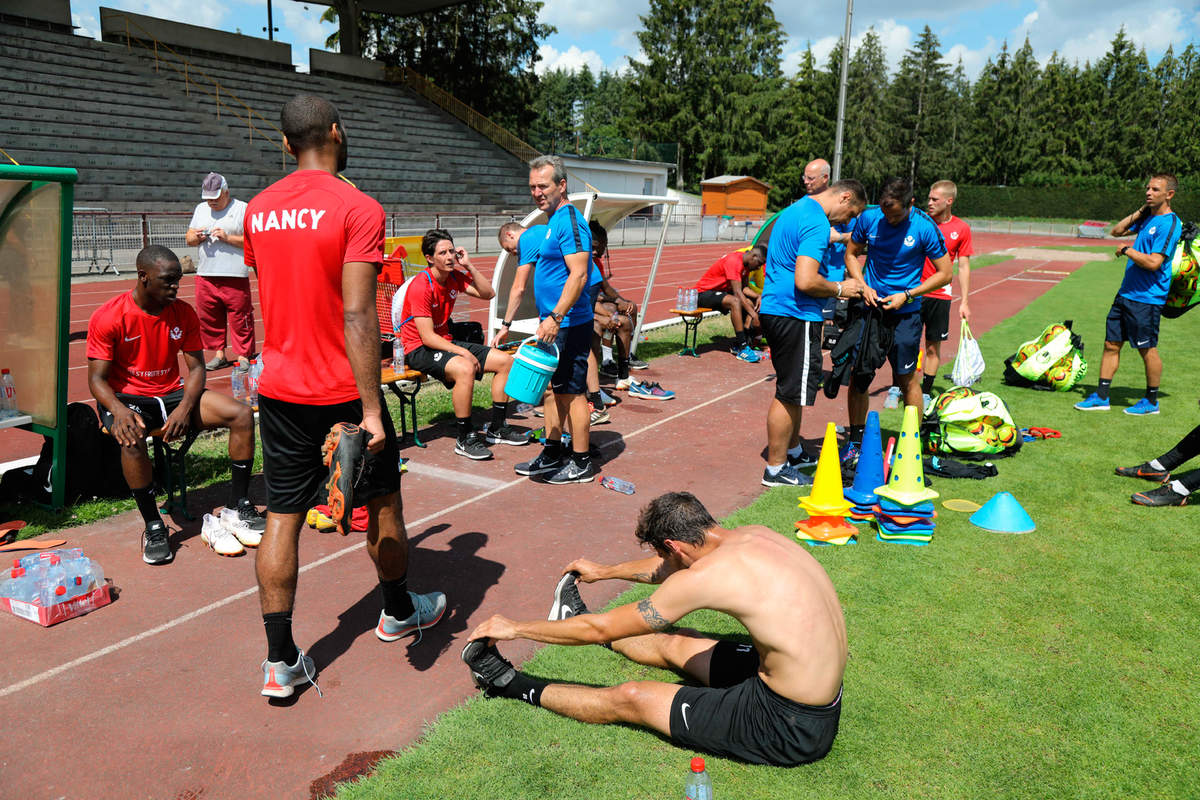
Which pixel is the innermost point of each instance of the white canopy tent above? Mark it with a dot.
(608, 210)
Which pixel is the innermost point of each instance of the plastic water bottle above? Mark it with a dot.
(8, 395)
(240, 381)
(53, 578)
(397, 356)
(256, 369)
(19, 586)
(617, 485)
(680, 299)
(693, 299)
(699, 786)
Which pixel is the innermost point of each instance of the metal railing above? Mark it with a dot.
(1023, 226)
(472, 118)
(109, 241)
(188, 72)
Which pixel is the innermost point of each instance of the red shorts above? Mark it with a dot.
(218, 299)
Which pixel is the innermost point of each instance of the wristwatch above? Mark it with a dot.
(1123, 249)
(557, 317)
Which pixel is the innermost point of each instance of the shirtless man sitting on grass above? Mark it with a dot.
(774, 701)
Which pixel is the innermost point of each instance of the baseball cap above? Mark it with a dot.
(213, 185)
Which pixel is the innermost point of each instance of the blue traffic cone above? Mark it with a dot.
(1003, 514)
(869, 472)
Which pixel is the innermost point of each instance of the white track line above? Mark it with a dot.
(199, 612)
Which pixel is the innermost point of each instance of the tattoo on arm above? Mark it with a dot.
(641, 577)
(655, 620)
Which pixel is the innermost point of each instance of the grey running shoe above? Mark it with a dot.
(156, 544)
(490, 670)
(567, 602)
(473, 447)
(805, 459)
(427, 612)
(788, 476)
(505, 434)
(280, 679)
(542, 465)
(570, 472)
(635, 363)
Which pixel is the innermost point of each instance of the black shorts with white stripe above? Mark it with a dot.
(796, 355)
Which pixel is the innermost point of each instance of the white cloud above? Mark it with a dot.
(573, 18)
(1084, 32)
(205, 13)
(302, 28)
(86, 25)
(894, 37)
(972, 60)
(570, 59)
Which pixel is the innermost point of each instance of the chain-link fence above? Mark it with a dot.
(1023, 226)
(108, 242)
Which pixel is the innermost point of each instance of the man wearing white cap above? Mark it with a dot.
(222, 277)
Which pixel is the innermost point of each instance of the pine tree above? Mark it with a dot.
(801, 128)
(868, 135)
(918, 99)
(1126, 110)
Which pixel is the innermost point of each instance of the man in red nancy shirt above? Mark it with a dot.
(316, 243)
(724, 287)
(424, 324)
(133, 346)
(935, 306)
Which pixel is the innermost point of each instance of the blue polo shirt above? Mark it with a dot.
(833, 268)
(896, 253)
(530, 244)
(801, 229)
(1158, 234)
(567, 233)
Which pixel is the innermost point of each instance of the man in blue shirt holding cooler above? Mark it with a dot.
(1135, 311)
(793, 299)
(560, 280)
(897, 239)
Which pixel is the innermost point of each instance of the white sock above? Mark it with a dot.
(796, 452)
(773, 469)
(1155, 464)
(1178, 488)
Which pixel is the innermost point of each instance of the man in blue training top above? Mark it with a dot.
(1136, 309)
(897, 239)
(793, 300)
(560, 280)
(833, 267)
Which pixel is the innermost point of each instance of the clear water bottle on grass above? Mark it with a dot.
(617, 485)
(699, 786)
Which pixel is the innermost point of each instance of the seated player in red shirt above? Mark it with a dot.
(133, 347)
(424, 326)
(725, 287)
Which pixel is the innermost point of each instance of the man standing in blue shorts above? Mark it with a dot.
(897, 239)
(793, 303)
(560, 278)
(1135, 311)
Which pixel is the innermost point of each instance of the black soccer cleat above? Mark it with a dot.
(1162, 496)
(490, 670)
(345, 454)
(1144, 471)
(567, 602)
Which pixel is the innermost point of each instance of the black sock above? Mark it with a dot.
(1102, 387)
(581, 459)
(927, 384)
(499, 411)
(1187, 449)
(741, 338)
(396, 602)
(146, 504)
(552, 449)
(855, 433)
(280, 646)
(463, 426)
(239, 484)
(524, 688)
(622, 368)
(594, 399)
(1152, 395)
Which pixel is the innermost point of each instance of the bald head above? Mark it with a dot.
(816, 176)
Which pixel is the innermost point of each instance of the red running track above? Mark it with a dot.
(165, 681)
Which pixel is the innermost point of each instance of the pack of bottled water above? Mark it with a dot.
(53, 585)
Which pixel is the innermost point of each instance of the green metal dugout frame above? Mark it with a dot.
(35, 292)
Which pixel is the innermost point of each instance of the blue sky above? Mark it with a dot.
(601, 33)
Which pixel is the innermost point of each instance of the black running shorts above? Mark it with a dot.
(433, 362)
(574, 345)
(714, 299)
(153, 410)
(796, 356)
(935, 316)
(1133, 322)
(750, 722)
(292, 435)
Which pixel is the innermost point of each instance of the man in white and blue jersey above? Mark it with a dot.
(793, 302)
(897, 239)
(560, 281)
(1136, 310)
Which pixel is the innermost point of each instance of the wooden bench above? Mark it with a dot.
(691, 329)
(405, 385)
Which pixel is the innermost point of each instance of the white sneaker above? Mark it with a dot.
(623, 384)
(214, 534)
(239, 528)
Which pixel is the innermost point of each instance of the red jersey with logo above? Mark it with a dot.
(142, 348)
(299, 231)
(428, 298)
(720, 276)
(958, 243)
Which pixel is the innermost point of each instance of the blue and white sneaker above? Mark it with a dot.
(748, 355)
(787, 476)
(893, 398)
(1094, 402)
(427, 612)
(280, 678)
(1142, 408)
(650, 391)
(805, 459)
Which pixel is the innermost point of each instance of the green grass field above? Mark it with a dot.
(1053, 664)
